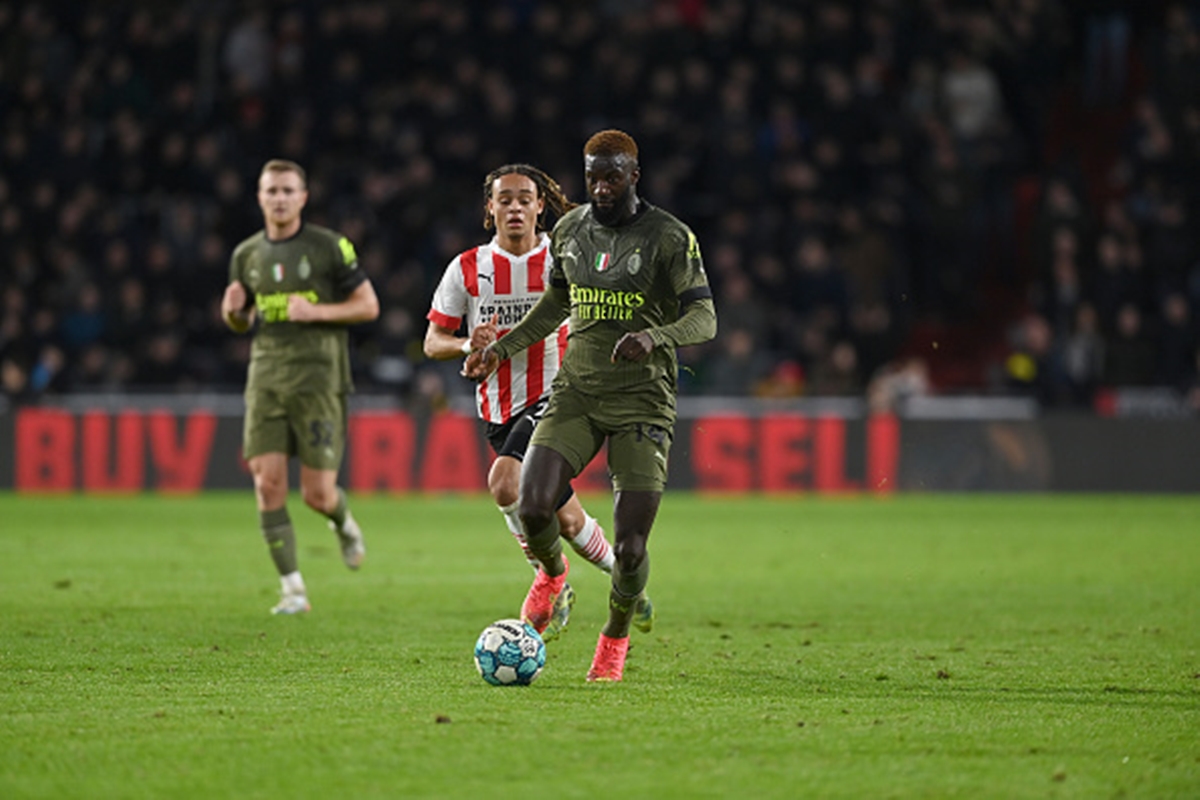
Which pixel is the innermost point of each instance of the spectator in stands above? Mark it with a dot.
(836, 374)
(896, 382)
(738, 365)
(1033, 367)
(1177, 342)
(889, 132)
(1129, 357)
(1082, 356)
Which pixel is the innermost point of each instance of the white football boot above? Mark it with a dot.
(351, 539)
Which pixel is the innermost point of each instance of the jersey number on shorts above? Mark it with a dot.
(322, 433)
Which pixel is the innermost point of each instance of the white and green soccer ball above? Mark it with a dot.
(510, 652)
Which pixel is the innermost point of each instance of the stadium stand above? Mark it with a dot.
(1003, 190)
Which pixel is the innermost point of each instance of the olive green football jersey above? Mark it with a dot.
(624, 279)
(297, 356)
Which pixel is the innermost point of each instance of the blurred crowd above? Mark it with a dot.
(853, 170)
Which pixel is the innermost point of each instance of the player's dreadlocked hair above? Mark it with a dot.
(547, 188)
(611, 143)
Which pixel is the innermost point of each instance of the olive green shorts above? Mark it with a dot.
(639, 439)
(309, 425)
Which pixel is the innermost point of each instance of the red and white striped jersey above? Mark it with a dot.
(486, 281)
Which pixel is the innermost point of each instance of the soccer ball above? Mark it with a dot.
(510, 652)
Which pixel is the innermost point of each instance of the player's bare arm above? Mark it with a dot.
(233, 308)
(443, 344)
(361, 306)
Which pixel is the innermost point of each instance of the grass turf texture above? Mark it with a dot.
(918, 646)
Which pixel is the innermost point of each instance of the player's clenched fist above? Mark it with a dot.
(480, 364)
(485, 333)
(633, 347)
(301, 309)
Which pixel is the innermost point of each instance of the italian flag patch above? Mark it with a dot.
(602, 260)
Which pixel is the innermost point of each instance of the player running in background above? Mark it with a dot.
(631, 279)
(303, 285)
(493, 286)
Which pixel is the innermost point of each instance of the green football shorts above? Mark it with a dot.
(309, 425)
(576, 425)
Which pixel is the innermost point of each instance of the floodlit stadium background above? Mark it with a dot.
(980, 211)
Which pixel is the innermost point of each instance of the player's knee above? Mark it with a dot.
(503, 492)
(318, 498)
(270, 488)
(630, 553)
(539, 496)
(504, 482)
(570, 522)
(534, 516)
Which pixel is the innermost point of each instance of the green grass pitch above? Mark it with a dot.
(859, 647)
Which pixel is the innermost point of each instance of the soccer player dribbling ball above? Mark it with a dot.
(303, 285)
(631, 279)
(493, 286)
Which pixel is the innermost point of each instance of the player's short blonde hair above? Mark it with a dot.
(284, 165)
(611, 143)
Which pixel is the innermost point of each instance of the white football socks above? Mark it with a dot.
(518, 532)
(292, 583)
(591, 544)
